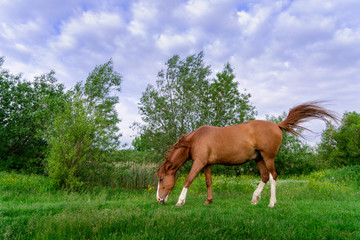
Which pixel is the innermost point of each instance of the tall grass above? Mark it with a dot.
(26, 183)
(133, 170)
(131, 175)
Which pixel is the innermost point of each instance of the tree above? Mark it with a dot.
(26, 111)
(86, 129)
(341, 146)
(175, 105)
(185, 99)
(227, 105)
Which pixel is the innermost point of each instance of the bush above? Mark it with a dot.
(341, 146)
(29, 159)
(85, 130)
(71, 146)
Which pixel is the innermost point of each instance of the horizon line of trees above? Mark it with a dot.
(72, 135)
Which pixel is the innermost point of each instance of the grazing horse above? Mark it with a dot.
(256, 140)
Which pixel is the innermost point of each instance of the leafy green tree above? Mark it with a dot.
(341, 146)
(227, 105)
(175, 105)
(86, 129)
(26, 111)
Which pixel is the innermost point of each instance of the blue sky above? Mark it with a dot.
(283, 52)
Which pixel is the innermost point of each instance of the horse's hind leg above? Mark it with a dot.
(195, 169)
(208, 180)
(270, 165)
(264, 179)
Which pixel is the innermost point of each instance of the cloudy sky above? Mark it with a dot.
(283, 52)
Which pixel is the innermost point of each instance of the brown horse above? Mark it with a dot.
(254, 140)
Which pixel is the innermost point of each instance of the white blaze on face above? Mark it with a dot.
(157, 193)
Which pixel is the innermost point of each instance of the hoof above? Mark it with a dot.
(255, 200)
(180, 203)
(271, 205)
(207, 202)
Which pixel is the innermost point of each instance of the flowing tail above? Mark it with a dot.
(303, 113)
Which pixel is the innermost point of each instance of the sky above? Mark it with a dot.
(284, 52)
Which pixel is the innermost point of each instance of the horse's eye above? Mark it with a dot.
(161, 179)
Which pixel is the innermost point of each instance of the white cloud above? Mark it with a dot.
(347, 36)
(143, 13)
(171, 43)
(251, 24)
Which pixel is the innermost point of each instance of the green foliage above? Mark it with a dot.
(140, 144)
(185, 99)
(26, 111)
(28, 159)
(174, 106)
(227, 105)
(128, 155)
(85, 130)
(71, 145)
(341, 146)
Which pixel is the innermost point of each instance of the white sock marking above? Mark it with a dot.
(182, 197)
(257, 193)
(273, 192)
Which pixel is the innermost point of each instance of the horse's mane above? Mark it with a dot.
(167, 164)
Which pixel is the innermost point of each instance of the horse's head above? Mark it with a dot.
(176, 157)
(165, 186)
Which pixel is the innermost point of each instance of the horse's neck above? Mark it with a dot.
(175, 165)
(177, 157)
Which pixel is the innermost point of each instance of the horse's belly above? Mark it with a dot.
(231, 157)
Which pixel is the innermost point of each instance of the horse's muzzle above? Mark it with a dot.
(162, 200)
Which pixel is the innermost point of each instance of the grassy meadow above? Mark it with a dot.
(322, 205)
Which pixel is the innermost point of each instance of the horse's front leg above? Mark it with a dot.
(195, 169)
(208, 180)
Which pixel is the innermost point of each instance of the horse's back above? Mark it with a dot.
(235, 144)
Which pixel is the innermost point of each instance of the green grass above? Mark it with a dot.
(323, 205)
